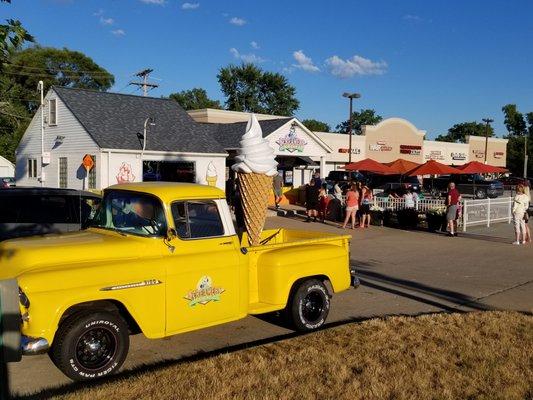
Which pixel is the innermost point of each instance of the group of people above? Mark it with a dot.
(358, 201)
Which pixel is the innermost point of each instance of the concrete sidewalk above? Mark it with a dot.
(402, 272)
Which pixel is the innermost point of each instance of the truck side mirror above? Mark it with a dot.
(171, 234)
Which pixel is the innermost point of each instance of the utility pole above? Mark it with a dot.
(526, 157)
(146, 86)
(350, 96)
(487, 121)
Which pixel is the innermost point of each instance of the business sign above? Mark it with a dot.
(291, 142)
(380, 146)
(354, 151)
(479, 153)
(459, 156)
(435, 155)
(498, 154)
(411, 150)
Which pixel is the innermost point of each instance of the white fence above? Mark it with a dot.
(487, 211)
(474, 212)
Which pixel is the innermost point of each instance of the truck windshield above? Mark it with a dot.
(132, 213)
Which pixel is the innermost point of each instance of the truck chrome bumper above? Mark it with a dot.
(33, 346)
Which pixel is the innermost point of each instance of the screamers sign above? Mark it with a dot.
(291, 142)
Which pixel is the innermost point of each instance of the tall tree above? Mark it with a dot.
(12, 37)
(316, 126)
(520, 130)
(459, 132)
(194, 99)
(249, 88)
(359, 118)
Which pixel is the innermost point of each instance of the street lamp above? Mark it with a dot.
(148, 121)
(487, 121)
(350, 96)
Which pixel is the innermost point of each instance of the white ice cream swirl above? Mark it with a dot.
(255, 154)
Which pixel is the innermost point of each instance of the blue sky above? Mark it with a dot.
(435, 63)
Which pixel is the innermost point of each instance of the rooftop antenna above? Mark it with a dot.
(146, 86)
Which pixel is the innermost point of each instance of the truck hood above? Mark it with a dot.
(55, 251)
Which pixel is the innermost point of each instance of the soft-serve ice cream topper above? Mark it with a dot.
(211, 174)
(256, 165)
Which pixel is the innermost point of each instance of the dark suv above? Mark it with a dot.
(394, 183)
(343, 178)
(38, 211)
(470, 184)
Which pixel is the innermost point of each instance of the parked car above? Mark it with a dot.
(6, 182)
(163, 259)
(390, 183)
(38, 211)
(467, 184)
(510, 182)
(343, 178)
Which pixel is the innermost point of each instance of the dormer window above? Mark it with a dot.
(52, 112)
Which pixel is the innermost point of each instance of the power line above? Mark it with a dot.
(87, 71)
(146, 86)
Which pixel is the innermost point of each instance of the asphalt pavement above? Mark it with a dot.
(402, 272)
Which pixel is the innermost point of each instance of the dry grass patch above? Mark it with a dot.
(485, 355)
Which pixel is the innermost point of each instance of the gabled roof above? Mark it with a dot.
(114, 121)
(229, 135)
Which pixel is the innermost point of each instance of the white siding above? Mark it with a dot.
(76, 144)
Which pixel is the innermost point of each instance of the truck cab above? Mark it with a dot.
(162, 259)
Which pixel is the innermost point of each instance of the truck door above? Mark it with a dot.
(203, 284)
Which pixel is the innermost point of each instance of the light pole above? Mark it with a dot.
(487, 121)
(350, 96)
(526, 137)
(148, 121)
(40, 88)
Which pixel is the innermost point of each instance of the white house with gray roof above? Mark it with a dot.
(110, 128)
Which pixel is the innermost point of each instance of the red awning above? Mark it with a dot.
(369, 165)
(433, 167)
(401, 166)
(475, 167)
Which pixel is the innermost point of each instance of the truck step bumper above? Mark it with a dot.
(33, 346)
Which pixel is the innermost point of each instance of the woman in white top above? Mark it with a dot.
(520, 206)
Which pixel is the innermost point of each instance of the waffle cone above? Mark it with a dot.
(255, 189)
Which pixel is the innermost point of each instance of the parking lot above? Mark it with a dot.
(402, 272)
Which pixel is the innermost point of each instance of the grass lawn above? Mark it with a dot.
(483, 355)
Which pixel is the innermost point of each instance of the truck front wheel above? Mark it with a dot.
(309, 306)
(90, 345)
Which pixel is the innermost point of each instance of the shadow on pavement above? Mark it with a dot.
(412, 290)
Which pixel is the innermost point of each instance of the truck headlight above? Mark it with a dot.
(24, 299)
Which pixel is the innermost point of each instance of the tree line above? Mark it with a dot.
(246, 87)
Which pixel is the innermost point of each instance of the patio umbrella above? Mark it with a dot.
(401, 166)
(475, 167)
(369, 165)
(433, 167)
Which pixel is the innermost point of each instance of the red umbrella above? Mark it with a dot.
(433, 167)
(401, 166)
(475, 167)
(369, 165)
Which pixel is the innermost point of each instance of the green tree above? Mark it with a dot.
(194, 99)
(359, 118)
(249, 88)
(520, 130)
(459, 132)
(316, 126)
(12, 37)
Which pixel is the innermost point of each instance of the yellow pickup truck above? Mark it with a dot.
(162, 259)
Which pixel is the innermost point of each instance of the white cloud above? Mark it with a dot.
(190, 6)
(99, 13)
(247, 58)
(106, 21)
(237, 21)
(118, 32)
(304, 62)
(254, 45)
(356, 65)
(412, 17)
(158, 2)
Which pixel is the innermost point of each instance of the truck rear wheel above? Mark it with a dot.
(309, 306)
(90, 345)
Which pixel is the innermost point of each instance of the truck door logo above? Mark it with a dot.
(204, 292)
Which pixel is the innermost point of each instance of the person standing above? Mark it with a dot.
(337, 192)
(352, 205)
(366, 200)
(520, 206)
(277, 186)
(323, 201)
(527, 192)
(318, 181)
(452, 207)
(311, 200)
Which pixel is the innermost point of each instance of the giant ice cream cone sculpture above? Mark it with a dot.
(256, 165)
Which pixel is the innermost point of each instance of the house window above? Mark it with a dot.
(52, 112)
(63, 168)
(92, 174)
(32, 168)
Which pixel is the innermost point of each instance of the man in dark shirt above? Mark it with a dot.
(318, 181)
